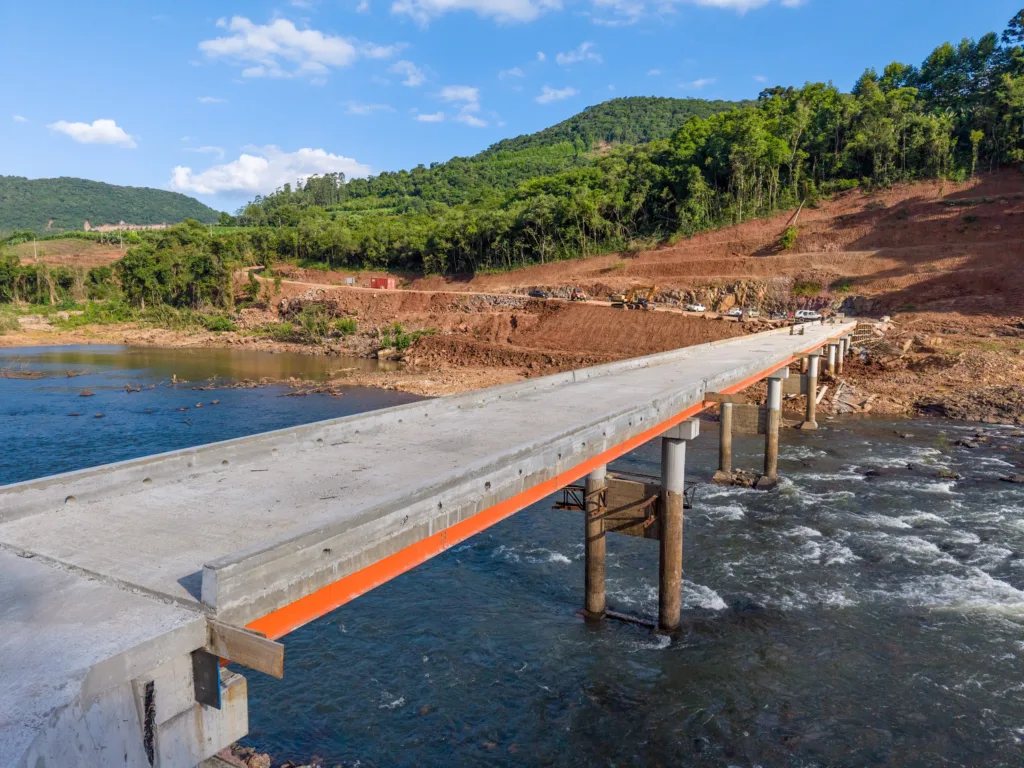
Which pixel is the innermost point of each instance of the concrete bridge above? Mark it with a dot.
(122, 587)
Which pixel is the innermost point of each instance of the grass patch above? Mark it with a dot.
(396, 337)
(9, 323)
(345, 326)
(842, 285)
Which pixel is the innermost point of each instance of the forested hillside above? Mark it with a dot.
(503, 166)
(32, 204)
(627, 120)
(959, 112)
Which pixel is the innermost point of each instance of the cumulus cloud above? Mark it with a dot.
(20, 119)
(280, 49)
(514, 72)
(211, 100)
(435, 117)
(548, 95)
(356, 108)
(96, 132)
(582, 53)
(469, 98)
(413, 75)
(260, 170)
(653, 72)
(699, 83)
(760, 79)
(541, 56)
(500, 10)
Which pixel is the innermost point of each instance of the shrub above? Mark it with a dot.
(788, 239)
(276, 331)
(218, 323)
(397, 337)
(344, 326)
(9, 323)
(842, 285)
(806, 288)
(314, 323)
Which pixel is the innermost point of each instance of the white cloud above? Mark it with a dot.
(760, 79)
(20, 119)
(218, 151)
(611, 87)
(436, 117)
(305, 4)
(582, 53)
(548, 95)
(541, 56)
(261, 170)
(500, 10)
(413, 75)
(699, 83)
(653, 72)
(211, 100)
(355, 108)
(97, 132)
(280, 49)
(363, 7)
(460, 93)
(469, 97)
(514, 72)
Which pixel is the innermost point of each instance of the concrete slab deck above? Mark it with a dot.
(242, 528)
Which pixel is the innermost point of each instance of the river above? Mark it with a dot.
(842, 620)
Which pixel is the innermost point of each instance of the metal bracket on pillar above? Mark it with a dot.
(206, 678)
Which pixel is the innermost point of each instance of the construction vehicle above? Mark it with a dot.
(577, 294)
(639, 297)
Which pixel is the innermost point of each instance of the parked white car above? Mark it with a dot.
(695, 308)
(807, 314)
(735, 312)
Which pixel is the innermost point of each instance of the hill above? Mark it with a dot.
(49, 205)
(505, 165)
(627, 120)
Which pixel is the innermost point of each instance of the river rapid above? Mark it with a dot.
(842, 620)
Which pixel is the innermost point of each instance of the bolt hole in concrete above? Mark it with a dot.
(487, 486)
(70, 500)
(319, 439)
(274, 452)
(147, 481)
(224, 463)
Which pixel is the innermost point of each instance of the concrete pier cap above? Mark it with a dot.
(686, 430)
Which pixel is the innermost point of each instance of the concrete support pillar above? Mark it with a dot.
(840, 355)
(595, 553)
(803, 365)
(670, 571)
(725, 438)
(833, 353)
(810, 419)
(770, 478)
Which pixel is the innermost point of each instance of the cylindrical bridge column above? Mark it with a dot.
(810, 418)
(673, 495)
(833, 353)
(594, 543)
(770, 477)
(840, 355)
(725, 438)
(670, 572)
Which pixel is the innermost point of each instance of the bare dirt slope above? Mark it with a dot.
(928, 246)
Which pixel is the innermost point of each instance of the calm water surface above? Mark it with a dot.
(840, 621)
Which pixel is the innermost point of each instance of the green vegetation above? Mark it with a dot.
(9, 323)
(842, 285)
(806, 288)
(44, 205)
(620, 175)
(788, 239)
(396, 337)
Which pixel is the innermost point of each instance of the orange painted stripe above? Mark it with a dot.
(304, 610)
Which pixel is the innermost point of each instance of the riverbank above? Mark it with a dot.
(949, 365)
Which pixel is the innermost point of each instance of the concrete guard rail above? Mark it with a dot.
(274, 530)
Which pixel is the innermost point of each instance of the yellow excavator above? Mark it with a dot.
(639, 297)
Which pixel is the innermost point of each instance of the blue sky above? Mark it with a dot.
(223, 99)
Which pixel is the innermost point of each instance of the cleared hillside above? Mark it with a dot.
(56, 205)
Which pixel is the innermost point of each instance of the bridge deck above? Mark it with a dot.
(249, 526)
